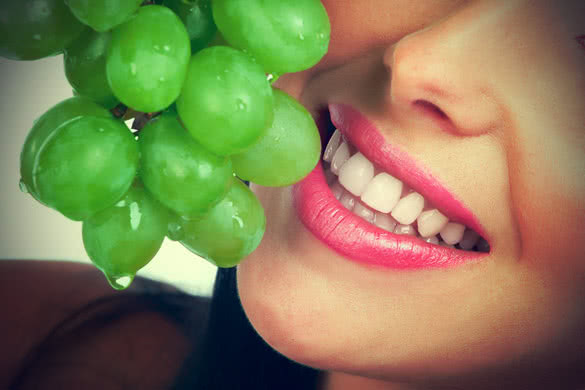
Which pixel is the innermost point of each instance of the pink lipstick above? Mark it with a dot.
(361, 241)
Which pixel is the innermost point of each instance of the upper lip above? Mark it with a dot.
(363, 134)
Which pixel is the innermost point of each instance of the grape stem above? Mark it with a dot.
(119, 111)
(141, 119)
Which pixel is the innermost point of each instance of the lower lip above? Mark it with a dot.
(360, 241)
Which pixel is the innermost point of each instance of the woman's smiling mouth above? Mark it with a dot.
(372, 203)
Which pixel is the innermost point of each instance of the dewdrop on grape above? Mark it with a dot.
(22, 186)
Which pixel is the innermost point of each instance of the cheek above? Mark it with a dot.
(547, 171)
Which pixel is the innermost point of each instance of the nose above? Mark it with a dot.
(446, 66)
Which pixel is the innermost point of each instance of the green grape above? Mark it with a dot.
(45, 127)
(196, 15)
(230, 231)
(226, 102)
(288, 152)
(284, 35)
(179, 172)
(102, 15)
(124, 237)
(33, 29)
(147, 59)
(85, 68)
(86, 165)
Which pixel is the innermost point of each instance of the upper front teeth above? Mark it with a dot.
(382, 201)
(382, 192)
(356, 173)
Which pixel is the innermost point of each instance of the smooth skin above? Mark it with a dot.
(510, 77)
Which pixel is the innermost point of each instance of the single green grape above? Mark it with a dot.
(86, 165)
(289, 150)
(85, 67)
(178, 171)
(230, 231)
(284, 36)
(147, 59)
(33, 29)
(102, 15)
(44, 129)
(196, 15)
(226, 102)
(124, 237)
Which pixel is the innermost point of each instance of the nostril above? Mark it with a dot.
(430, 108)
(436, 114)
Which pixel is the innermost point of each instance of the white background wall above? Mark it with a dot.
(29, 230)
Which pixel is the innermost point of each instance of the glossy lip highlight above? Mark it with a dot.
(361, 241)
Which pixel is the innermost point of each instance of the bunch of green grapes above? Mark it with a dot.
(196, 75)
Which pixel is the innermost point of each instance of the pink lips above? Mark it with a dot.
(360, 241)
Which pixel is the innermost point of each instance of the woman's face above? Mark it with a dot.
(488, 98)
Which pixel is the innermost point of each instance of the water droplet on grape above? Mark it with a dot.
(133, 68)
(175, 231)
(135, 216)
(101, 130)
(219, 78)
(120, 282)
(167, 48)
(22, 186)
(241, 105)
(238, 222)
(321, 35)
(161, 78)
(272, 77)
(301, 36)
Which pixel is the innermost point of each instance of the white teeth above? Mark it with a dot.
(362, 211)
(347, 200)
(432, 240)
(381, 204)
(339, 158)
(337, 190)
(405, 229)
(431, 222)
(356, 173)
(408, 208)
(382, 192)
(452, 233)
(332, 146)
(470, 238)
